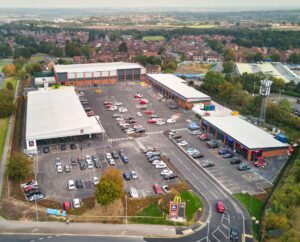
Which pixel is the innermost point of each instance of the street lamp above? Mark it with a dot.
(208, 230)
(126, 209)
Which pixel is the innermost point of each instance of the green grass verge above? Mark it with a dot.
(12, 79)
(3, 131)
(153, 38)
(254, 207)
(193, 203)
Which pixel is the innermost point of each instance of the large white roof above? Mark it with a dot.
(54, 113)
(94, 67)
(179, 86)
(244, 132)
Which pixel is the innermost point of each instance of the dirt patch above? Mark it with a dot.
(193, 68)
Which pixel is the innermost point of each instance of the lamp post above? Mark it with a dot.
(126, 210)
(208, 230)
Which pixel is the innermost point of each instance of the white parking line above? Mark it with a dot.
(214, 234)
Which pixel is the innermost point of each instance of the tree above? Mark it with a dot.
(5, 50)
(9, 70)
(18, 166)
(123, 47)
(277, 85)
(58, 52)
(275, 57)
(24, 52)
(229, 55)
(7, 106)
(9, 86)
(110, 186)
(258, 57)
(22, 75)
(211, 82)
(228, 67)
(273, 222)
(33, 67)
(290, 236)
(85, 51)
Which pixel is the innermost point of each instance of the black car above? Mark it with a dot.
(73, 161)
(63, 147)
(170, 177)
(32, 192)
(46, 150)
(97, 163)
(197, 155)
(234, 234)
(82, 165)
(73, 146)
(235, 161)
(79, 183)
(122, 152)
(153, 158)
(127, 176)
(212, 144)
(114, 154)
(140, 130)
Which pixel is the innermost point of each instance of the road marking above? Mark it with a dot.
(226, 236)
(193, 174)
(212, 193)
(214, 234)
(226, 218)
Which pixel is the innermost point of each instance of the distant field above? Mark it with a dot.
(153, 38)
(193, 68)
(208, 26)
(3, 62)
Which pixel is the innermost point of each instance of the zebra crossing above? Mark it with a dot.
(155, 132)
(120, 139)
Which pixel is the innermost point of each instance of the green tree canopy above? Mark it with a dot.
(229, 55)
(7, 105)
(228, 67)
(123, 47)
(18, 166)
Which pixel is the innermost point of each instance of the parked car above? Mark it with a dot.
(170, 177)
(203, 137)
(207, 163)
(90, 164)
(157, 189)
(197, 155)
(88, 158)
(123, 110)
(111, 161)
(212, 144)
(223, 151)
(260, 163)
(160, 122)
(117, 103)
(71, 185)
(112, 108)
(144, 101)
(161, 165)
(153, 158)
(79, 183)
(133, 175)
(139, 114)
(59, 169)
(176, 136)
(73, 161)
(58, 162)
(125, 159)
(155, 162)
(97, 163)
(114, 154)
(152, 153)
(67, 205)
(67, 168)
(82, 165)
(234, 234)
(154, 116)
(73, 147)
(196, 132)
(46, 150)
(122, 152)
(166, 172)
(183, 143)
(166, 188)
(173, 106)
(76, 203)
(148, 112)
(235, 161)
(220, 207)
(171, 121)
(126, 176)
(33, 191)
(133, 192)
(152, 121)
(228, 155)
(95, 180)
(36, 197)
(108, 155)
(243, 167)
(138, 95)
(117, 115)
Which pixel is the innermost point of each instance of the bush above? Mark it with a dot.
(7, 105)
(19, 166)
(9, 86)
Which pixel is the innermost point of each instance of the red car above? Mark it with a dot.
(138, 95)
(144, 101)
(260, 163)
(67, 205)
(149, 112)
(152, 121)
(107, 103)
(203, 137)
(157, 189)
(220, 207)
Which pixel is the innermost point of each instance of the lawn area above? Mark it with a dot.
(193, 203)
(3, 62)
(254, 207)
(12, 79)
(153, 38)
(202, 26)
(3, 130)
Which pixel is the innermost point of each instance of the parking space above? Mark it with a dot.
(54, 184)
(252, 181)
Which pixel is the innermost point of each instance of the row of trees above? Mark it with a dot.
(144, 60)
(7, 105)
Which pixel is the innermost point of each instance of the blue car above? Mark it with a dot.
(228, 155)
(124, 158)
(126, 176)
(223, 151)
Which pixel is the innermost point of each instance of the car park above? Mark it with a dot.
(207, 163)
(220, 207)
(126, 176)
(234, 234)
(223, 151)
(95, 180)
(71, 185)
(46, 150)
(235, 161)
(58, 162)
(125, 159)
(157, 189)
(76, 203)
(133, 175)
(133, 192)
(79, 183)
(67, 168)
(117, 115)
(155, 162)
(243, 167)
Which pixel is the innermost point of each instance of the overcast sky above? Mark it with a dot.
(234, 4)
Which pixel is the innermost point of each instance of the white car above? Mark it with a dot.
(117, 103)
(76, 203)
(108, 155)
(133, 175)
(95, 180)
(196, 132)
(133, 192)
(90, 164)
(171, 121)
(71, 185)
(120, 119)
(112, 108)
(129, 132)
(183, 143)
(161, 165)
(160, 122)
(123, 110)
(59, 169)
(88, 158)
(166, 172)
(139, 114)
(155, 162)
(111, 161)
